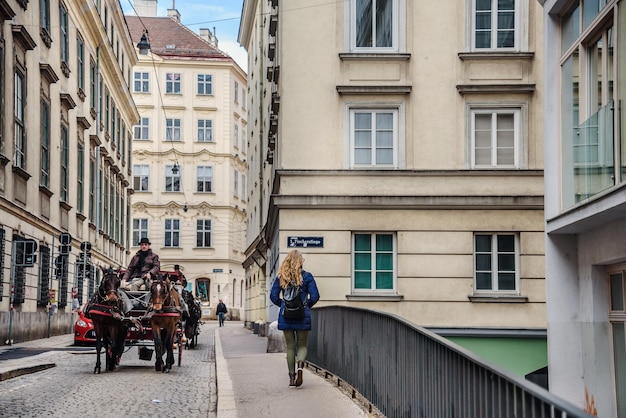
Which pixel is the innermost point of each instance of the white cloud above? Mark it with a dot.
(237, 52)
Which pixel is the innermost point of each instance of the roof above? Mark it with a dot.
(169, 38)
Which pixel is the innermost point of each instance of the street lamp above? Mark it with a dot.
(144, 45)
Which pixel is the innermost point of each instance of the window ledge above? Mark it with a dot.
(498, 298)
(374, 56)
(373, 89)
(482, 55)
(375, 297)
(495, 88)
(45, 190)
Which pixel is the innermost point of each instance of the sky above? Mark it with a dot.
(220, 16)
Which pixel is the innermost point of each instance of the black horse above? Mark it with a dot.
(164, 314)
(192, 323)
(105, 312)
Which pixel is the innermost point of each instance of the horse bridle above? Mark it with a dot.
(104, 295)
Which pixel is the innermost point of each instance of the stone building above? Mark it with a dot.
(66, 115)
(398, 145)
(189, 156)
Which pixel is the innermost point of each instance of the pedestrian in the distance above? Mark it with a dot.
(296, 330)
(221, 312)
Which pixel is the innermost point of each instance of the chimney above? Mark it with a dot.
(208, 36)
(145, 8)
(173, 13)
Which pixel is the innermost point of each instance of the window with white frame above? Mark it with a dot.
(172, 130)
(142, 130)
(375, 25)
(172, 83)
(495, 138)
(205, 130)
(172, 233)
(236, 92)
(205, 84)
(140, 230)
(203, 233)
(373, 262)
(374, 138)
(172, 178)
(19, 158)
(495, 24)
(204, 179)
(235, 182)
(236, 136)
(64, 27)
(243, 187)
(141, 177)
(65, 163)
(142, 82)
(495, 262)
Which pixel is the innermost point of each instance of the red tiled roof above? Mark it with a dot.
(168, 37)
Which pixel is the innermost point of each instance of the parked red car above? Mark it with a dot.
(84, 333)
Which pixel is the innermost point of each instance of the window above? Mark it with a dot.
(64, 35)
(141, 177)
(140, 230)
(92, 190)
(374, 262)
(142, 130)
(172, 83)
(80, 179)
(80, 62)
(495, 24)
(19, 158)
(205, 130)
(44, 8)
(65, 150)
(204, 178)
(172, 233)
(142, 82)
(495, 138)
(203, 233)
(92, 84)
(236, 136)
(235, 183)
(243, 187)
(236, 92)
(205, 84)
(374, 25)
(590, 115)
(172, 130)
(243, 98)
(45, 144)
(374, 138)
(172, 180)
(495, 262)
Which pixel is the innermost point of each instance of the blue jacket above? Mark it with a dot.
(310, 296)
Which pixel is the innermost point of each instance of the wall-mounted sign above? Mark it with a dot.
(315, 242)
(218, 270)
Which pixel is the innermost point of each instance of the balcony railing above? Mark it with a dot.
(407, 371)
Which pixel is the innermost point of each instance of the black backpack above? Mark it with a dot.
(294, 307)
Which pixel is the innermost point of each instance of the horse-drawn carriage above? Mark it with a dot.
(146, 318)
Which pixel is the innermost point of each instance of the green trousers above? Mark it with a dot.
(296, 347)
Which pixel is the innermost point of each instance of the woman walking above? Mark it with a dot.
(293, 280)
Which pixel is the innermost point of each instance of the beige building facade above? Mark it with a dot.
(189, 156)
(399, 147)
(66, 115)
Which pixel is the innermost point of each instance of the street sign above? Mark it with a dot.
(316, 242)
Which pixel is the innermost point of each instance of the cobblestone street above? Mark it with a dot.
(134, 389)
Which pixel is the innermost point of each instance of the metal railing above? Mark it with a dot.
(408, 371)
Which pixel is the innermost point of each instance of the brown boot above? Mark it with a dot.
(299, 378)
(292, 379)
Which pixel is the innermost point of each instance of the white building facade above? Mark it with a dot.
(189, 157)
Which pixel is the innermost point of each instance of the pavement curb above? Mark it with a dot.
(10, 374)
(226, 405)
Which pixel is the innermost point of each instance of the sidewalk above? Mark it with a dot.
(250, 381)
(253, 383)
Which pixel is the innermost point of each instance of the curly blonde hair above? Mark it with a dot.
(290, 270)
